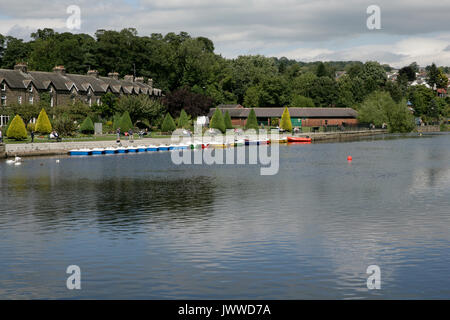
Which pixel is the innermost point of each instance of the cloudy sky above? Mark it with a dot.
(307, 30)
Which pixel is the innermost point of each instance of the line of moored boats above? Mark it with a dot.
(165, 147)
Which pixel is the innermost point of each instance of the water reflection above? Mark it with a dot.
(142, 227)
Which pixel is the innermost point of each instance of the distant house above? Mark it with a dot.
(307, 117)
(441, 92)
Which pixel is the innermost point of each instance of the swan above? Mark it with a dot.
(17, 159)
(10, 161)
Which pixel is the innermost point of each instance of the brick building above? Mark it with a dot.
(23, 86)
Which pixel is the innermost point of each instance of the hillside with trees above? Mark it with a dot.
(194, 78)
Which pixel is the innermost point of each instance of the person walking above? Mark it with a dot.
(130, 133)
(32, 136)
(118, 135)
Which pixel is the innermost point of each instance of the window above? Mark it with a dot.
(4, 120)
(3, 86)
(3, 100)
(31, 99)
(89, 101)
(99, 102)
(30, 89)
(19, 99)
(52, 102)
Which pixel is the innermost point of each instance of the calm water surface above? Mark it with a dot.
(141, 227)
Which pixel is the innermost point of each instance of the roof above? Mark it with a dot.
(293, 112)
(229, 106)
(16, 79)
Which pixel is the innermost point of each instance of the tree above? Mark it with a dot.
(300, 101)
(379, 108)
(168, 124)
(183, 120)
(252, 121)
(286, 123)
(125, 122)
(409, 72)
(194, 104)
(432, 75)
(87, 127)
(217, 121)
(107, 108)
(227, 120)
(16, 129)
(43, 124)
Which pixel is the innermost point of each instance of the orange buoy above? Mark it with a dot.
(349, 158)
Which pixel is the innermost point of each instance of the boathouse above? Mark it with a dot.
(306, 117)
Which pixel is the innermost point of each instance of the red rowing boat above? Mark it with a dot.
(299, 139)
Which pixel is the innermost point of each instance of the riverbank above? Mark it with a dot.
(62, 148)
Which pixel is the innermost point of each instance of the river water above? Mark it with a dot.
(141, 227)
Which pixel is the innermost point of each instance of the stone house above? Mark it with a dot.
(23, 86)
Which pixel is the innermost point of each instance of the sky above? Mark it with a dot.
(305, 30)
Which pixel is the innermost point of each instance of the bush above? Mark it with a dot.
(87, 127)
(43, 124)
(183, 120)
(125, 122)
(16, 129)
(217, 121)
(227, 120)
(31, 127)
(168, 124)
(286, 123)
(65, 126)
(252, 122)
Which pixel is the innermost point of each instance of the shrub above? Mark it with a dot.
(227, 120)
(217, 121)
(87, 127)
(43, 124)
(16, 129)
(183, 120)
(31, 127)
(65, 126)
(286, 123)
(125, 122)
(252, 122)
(116, 121)
(168, 124)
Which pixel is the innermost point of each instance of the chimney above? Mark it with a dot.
(129, 78)
(139, 79)
(21, 66)
(113, 75)
(93, 73)
(60, 70)
(150, 84)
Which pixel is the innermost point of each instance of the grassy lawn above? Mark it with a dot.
(82, 138)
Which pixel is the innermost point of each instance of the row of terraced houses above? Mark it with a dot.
(23, 86)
